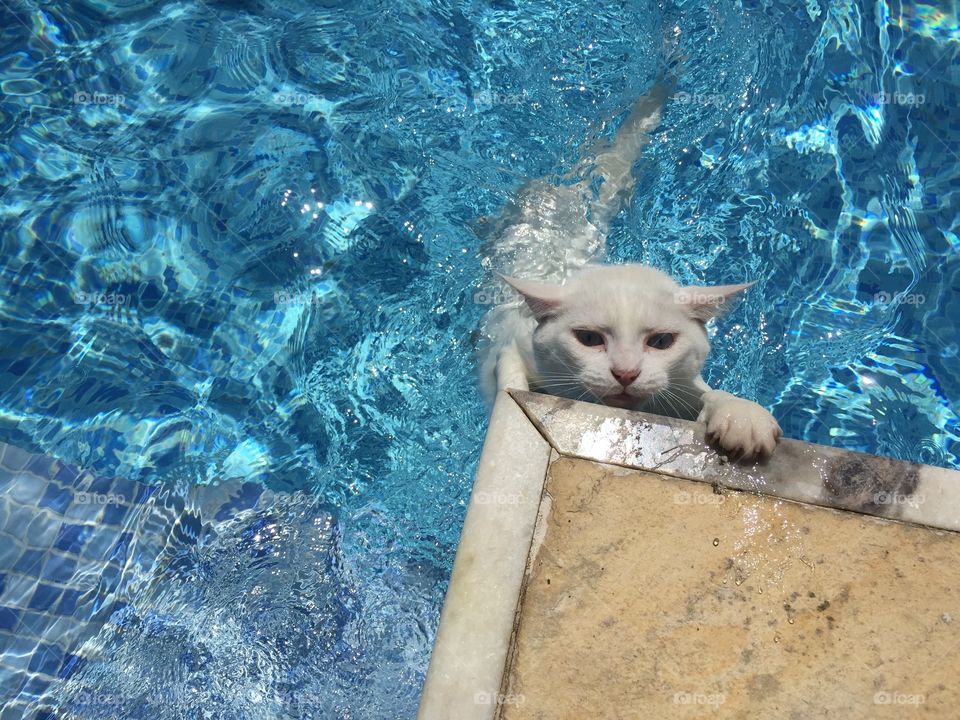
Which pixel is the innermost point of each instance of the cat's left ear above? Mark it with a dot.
(543, 299)
(705, 302)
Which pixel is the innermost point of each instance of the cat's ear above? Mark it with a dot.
(703, 303)
(543, 299)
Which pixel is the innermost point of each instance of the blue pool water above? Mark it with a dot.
(237, 252)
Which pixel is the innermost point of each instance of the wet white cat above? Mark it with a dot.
(627, 335)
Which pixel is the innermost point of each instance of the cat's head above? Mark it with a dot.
(620, 334)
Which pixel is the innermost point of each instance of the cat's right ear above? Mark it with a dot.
(543, 299)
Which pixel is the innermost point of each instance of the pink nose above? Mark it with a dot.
(625, 377)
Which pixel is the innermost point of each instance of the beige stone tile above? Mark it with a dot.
(653, 597)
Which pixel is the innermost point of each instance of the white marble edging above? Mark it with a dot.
(470, 651)
(800, 471)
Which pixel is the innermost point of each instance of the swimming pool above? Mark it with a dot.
(238, 248)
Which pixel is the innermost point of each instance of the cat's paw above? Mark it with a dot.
(741, 428)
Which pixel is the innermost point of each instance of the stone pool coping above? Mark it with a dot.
(529, 430)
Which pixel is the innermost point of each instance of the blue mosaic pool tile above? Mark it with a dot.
(41, 465)
(64, 551)
(79, 513)
(26, 490)
(72, 537)
(115, 514)
(100, 486)
(99, 543)
(42, 528)
(14, 711)
(46, 659)
(126, 490)
(44, 597)
(66, 474)
(9, 550)
(36, 686)
(120, 549)
(30, 562)
(33, 625)
(18, 589)
(70, 665)
(68, 601)
(59, 568)
(56, 498)
(14, 459)
(8, 618)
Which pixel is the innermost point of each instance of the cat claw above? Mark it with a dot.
(742, 429)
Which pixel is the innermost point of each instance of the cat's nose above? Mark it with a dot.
(625, 377)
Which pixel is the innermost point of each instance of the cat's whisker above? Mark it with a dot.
(662, 395)
(675, 395)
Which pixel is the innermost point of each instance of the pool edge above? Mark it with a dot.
(528, 430)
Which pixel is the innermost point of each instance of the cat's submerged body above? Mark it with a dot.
(622, 335)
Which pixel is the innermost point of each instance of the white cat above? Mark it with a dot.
(627, 335)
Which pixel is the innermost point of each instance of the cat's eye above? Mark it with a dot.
(589, 338)
(661, 341)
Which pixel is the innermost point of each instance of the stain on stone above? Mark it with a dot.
(823, 606)
(762, 686)
(871, 484)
